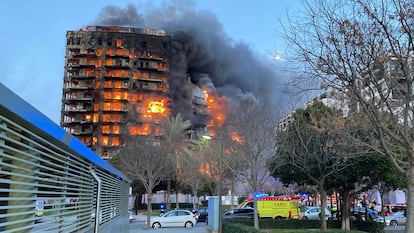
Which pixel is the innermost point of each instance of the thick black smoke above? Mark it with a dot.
(201, 50)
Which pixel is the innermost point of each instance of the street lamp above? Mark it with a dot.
(220, 167)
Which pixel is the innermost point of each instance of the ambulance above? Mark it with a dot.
(276, 207)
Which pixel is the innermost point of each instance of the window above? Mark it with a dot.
(105, 140)
(143, 44)
(116, 118)
(107, 117)
(115, 129)
(106, 129)
(99, 52)
(115, 141)
(118, 42)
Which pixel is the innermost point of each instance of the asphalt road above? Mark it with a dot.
(396, 229)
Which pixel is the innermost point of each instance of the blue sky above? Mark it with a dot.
(33, 37)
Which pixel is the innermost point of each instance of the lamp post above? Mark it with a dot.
(220, 171)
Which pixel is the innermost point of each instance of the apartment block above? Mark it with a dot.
(115, 85)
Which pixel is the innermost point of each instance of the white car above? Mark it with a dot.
(395, 219)
(174, 218)
(314, 213)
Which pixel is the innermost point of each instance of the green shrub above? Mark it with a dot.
(295, 224)
(231, 227)
(269, 223)
(368, 226)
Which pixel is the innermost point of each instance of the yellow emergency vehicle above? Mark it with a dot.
(275, 206)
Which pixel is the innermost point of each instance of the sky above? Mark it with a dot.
(34, 37)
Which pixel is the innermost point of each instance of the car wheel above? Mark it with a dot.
(304, 218)
(156, 225)
(393, 223)
(188, 225)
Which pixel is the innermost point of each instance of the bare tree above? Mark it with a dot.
(147, 160)
(253, 133)
(364, 48)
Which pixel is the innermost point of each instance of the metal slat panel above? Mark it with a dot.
(32, 169)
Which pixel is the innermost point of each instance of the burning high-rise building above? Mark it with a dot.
(115, 84)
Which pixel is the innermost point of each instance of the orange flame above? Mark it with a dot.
(237, 138)
(217, 110)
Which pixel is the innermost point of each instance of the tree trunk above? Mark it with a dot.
(149, 210)
(323, 204)
(345, 215)
(177, 204)
(256, 214)
(168, 204)
(409, 227)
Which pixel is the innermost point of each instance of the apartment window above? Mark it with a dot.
(117, 107)
(106, 129)
(118, 42)
(115, 129)
(108, 84)
(107, 106)
(95, 118)
(116, 118)
(99, 52)
(92, 41)
(117, 95)
(115, 141)
(108, 95)
(143, 44)
(98, 63)
(109, 41)
(107, 118)
(105, 140)
(70, 41)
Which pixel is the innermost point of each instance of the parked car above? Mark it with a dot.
(246, 212)
(359, 212)
(315, 213)
(391, 208)
(394, 219)
(174, 218)
(201, 214)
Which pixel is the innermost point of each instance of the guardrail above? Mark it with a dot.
(50, 181)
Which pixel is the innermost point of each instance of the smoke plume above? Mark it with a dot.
(201, 50)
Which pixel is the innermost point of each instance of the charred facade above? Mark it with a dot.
(115, 85)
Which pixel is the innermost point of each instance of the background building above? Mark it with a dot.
(115, 85)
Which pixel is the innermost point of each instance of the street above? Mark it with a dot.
(138, 226)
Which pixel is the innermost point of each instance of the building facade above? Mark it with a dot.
(115, 85)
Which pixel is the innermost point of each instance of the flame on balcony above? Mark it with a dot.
(150, 112)
(217, 110)
(156, 107)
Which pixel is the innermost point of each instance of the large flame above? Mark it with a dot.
(151, 111)
(217, 110)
